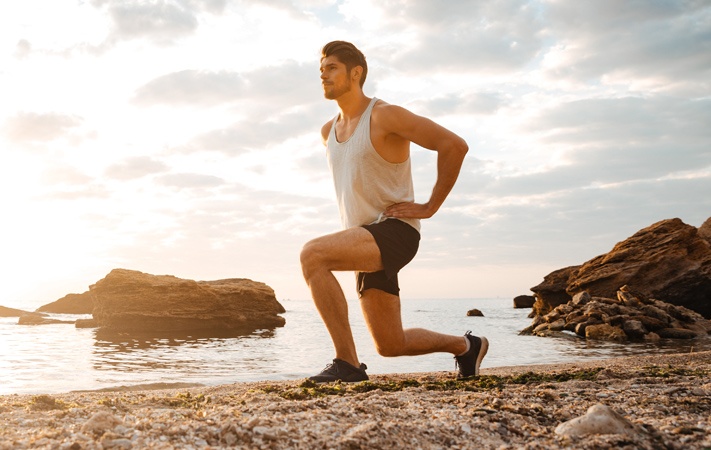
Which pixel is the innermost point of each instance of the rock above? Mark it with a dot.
(100, 423)
(634, 329)
(668, 260)
(605, 332)
(581, 298)
(651, 323)
(558, 325)
(651, 337)
(599, 419)
(119, 444)
(11, 312)
(676, 333)
(127, 300)
(541, 328)
(705, 230)
(656, 313)
(552, 291)
(524, 301)
(86, 323)
(628, 299)
(475, 313)
(620, 318)
(70, 304)
(580, 328)
(39, 319)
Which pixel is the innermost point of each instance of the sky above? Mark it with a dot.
(182, 137)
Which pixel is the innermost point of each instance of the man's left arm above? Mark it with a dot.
(450, 149)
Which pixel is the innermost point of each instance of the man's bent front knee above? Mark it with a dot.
(310, 258)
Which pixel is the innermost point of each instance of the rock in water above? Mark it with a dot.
(669, 260)
(39, 319)
(127, 300)
(70, 304)
(524, 301)
(600, 419)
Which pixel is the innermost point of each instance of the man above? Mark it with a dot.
(368, 149)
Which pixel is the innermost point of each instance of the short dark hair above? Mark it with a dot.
(348, 54)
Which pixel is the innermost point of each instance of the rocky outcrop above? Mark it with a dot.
(523, 301)
(552, 291)
(669, 260)
(40, 319)
(127, 300)
(70, 304)
(623, 318)
(11, 312)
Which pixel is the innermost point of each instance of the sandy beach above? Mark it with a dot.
(665, 398)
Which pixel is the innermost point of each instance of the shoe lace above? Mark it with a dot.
(331, 368)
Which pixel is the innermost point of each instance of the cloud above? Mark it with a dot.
(160, 21)
(136, 167)
(89, 191)
(463, 36)
(315, 165)
(479, 103)
(259, 132)
(628, 138)
(189, 180)
(23, 49)
(288, 84)
(662, 45)
(33, 127)
(192, 87)
(65, 175)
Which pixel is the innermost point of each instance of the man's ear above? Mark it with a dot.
(357, 72)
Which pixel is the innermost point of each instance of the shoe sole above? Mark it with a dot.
(336, 381)
(482, 353)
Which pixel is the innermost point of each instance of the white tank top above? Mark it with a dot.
(366, 183)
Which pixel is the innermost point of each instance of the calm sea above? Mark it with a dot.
(62, 358)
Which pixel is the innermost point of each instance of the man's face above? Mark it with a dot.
(334, 78)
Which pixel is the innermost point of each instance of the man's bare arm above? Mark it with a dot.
(450, 149)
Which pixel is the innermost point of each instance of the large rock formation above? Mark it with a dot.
(70, 304)
(668, 260)
(127, 300)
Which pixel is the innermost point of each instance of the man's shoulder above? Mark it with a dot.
(389, 115)
(381, 106)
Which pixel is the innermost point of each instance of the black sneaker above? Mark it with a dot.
(341, 370)
(469, 362)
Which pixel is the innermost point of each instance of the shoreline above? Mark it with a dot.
(666, 397)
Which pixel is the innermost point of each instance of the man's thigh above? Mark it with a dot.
(352, 249)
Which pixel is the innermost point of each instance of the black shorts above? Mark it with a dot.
(398, 243)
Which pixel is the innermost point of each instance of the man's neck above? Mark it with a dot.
(352, 105)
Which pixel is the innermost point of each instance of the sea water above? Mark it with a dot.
(61, 358)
